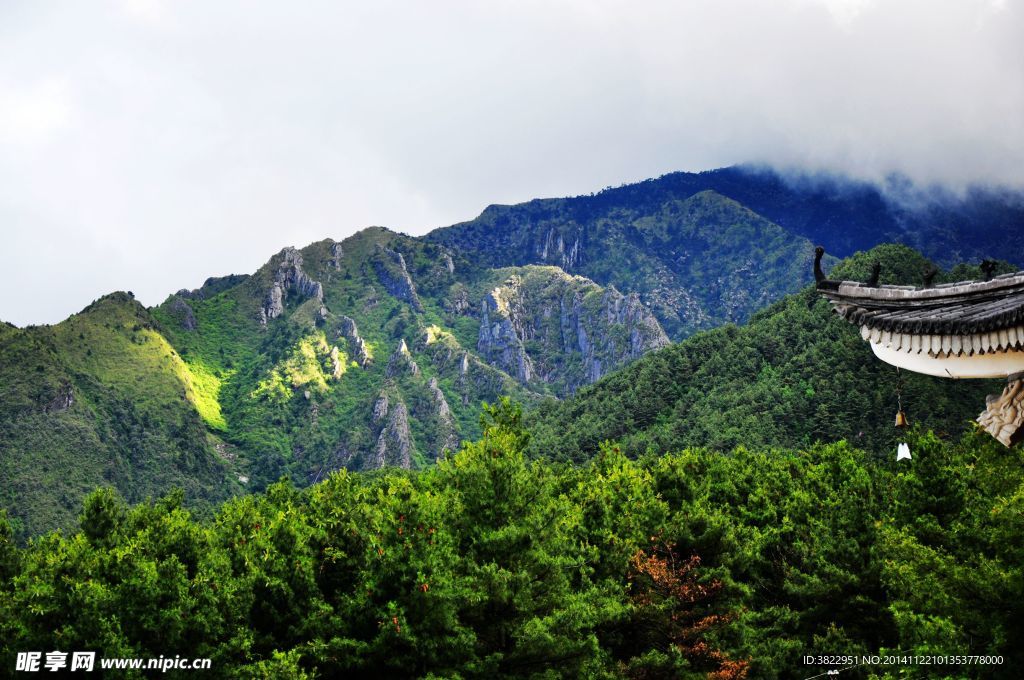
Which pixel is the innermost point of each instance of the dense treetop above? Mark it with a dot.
(692, 564)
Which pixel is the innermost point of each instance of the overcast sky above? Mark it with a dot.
(146, 145)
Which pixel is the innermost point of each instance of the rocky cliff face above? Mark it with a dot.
(337, 252)
(542, 325)
(394, 444)
(289, 278)
(402, 362)
(358, 347)
(503, 332)
(552, 247)
(447, 435)
(394, 276)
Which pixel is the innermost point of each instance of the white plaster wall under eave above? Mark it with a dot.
(988, 365)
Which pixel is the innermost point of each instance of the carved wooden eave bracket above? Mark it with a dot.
(1003, 417)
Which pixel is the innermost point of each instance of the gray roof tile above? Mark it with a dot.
(958, 308)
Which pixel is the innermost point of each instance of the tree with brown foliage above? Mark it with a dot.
(675, 610)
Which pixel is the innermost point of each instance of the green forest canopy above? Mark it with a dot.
(724, 560)
(694, 564)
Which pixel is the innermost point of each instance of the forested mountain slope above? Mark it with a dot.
(794, 375)
(847, 215)
(102, 399)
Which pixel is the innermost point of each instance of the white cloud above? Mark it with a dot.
(146, 145)
(35, 114)
(152, 11)
(845, 11)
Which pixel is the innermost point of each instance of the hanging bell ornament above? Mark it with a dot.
(901, 419)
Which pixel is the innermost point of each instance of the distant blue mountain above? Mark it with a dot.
(703, 249)
(846, 215)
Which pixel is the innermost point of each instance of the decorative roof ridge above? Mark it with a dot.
(970, 288)
(1001, 285)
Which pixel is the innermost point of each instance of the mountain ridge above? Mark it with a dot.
(845, 214)
(657, 252)
(373, 351)
(378, 349)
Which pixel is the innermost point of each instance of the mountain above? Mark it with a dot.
(697, 259)
(102, 398)
(708, 248)
(378, 350)
(375, 351)
(795, 374)
(847, 215)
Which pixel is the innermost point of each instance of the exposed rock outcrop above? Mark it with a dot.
(62, 401)
(448, 437)
(182, 311)
(394, 276)
(553, 248)
(645, 333)
(357, 346)
(501, 336)
(337, 363)
(289, 278)
(337, 252)
(380, 408)
(394, 444)
(546, 325)
(273, 306)
(601, 350)
(401, 361)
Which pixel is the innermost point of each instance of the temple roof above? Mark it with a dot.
(963, 308)
(968, 329)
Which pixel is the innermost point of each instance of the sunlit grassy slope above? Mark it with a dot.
(103, 398)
